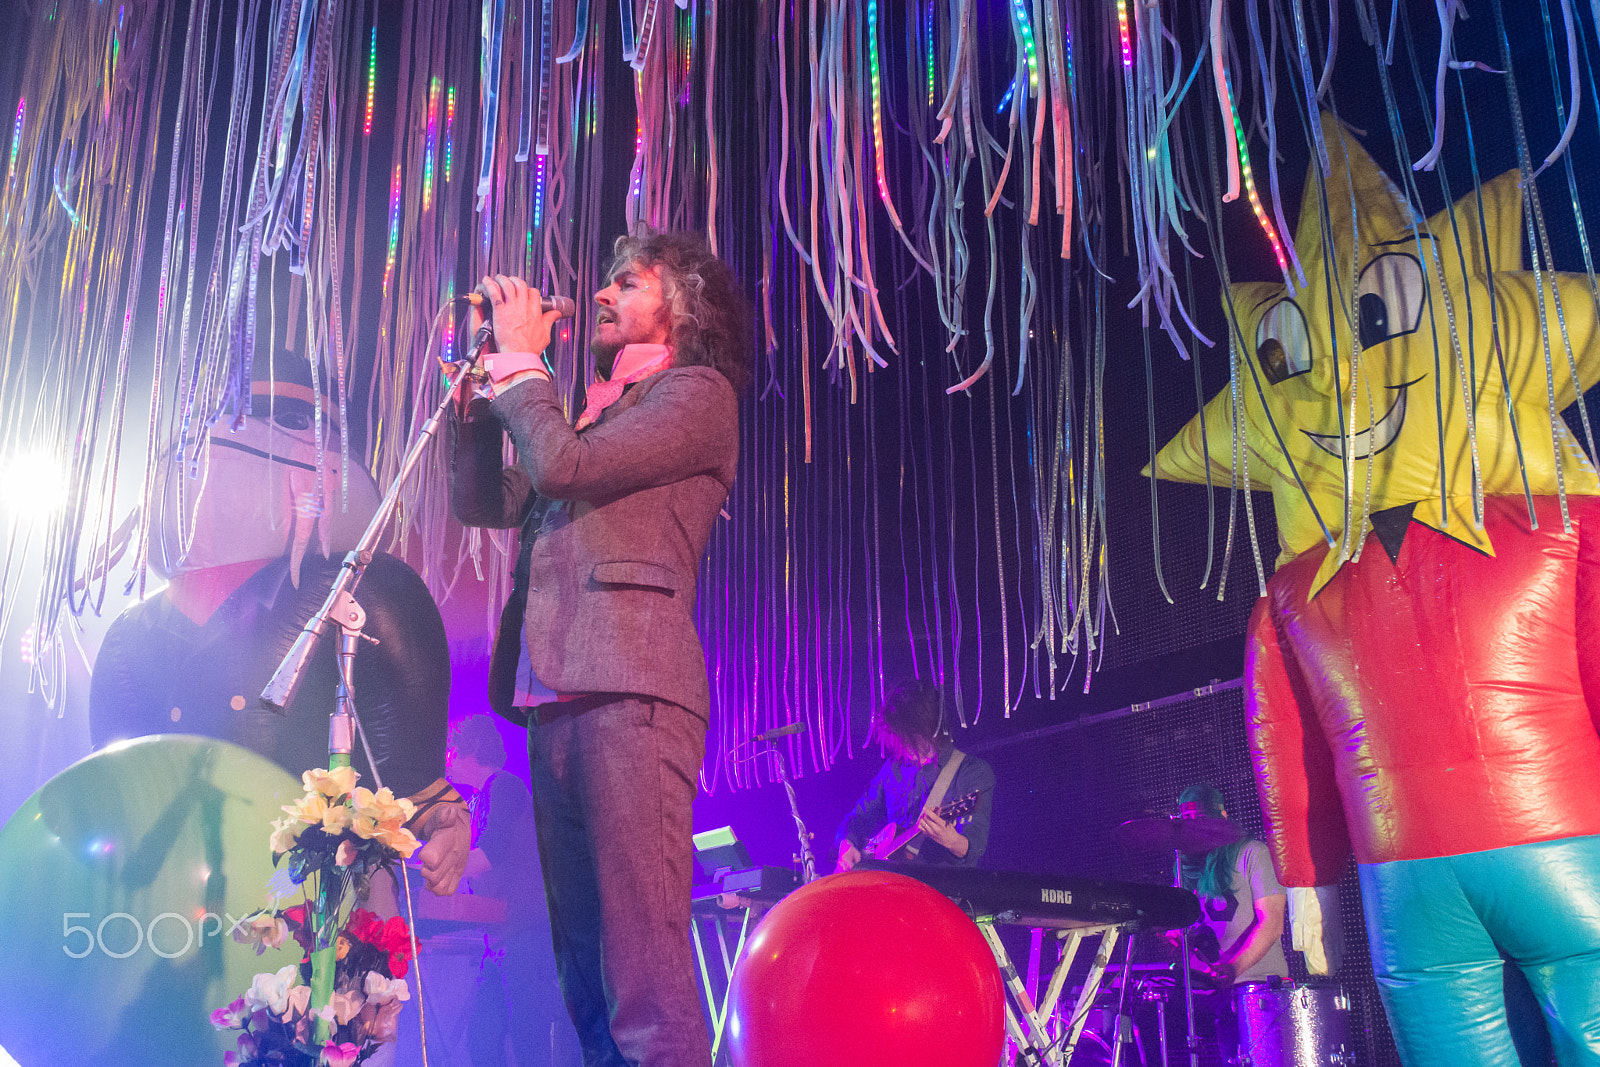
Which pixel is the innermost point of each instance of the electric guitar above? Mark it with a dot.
(886, 842)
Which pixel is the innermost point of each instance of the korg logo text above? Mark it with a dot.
(1055, 896)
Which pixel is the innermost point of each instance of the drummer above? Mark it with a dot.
(1239, 936)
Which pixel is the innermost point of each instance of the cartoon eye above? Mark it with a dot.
(1283, 344)
(1390, 297)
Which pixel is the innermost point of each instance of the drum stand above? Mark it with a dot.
(1193, 1039)
(1161, 1027)
(1120, 1019)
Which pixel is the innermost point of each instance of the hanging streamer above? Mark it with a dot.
(797, 137)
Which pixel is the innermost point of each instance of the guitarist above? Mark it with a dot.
(924, 771)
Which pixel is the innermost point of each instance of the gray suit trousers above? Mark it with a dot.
(613, 787)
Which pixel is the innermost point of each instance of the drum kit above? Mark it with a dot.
(1281, 1022)
(1297, 1024)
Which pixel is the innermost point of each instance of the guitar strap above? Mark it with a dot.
(941, 786)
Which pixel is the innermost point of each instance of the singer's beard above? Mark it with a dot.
(605, 357)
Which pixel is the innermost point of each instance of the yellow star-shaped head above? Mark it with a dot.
(1412, 348)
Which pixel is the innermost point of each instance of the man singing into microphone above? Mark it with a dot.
(596, 650)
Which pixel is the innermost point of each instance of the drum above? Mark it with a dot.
(1293, 1024)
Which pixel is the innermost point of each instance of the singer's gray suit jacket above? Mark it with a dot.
(614, 522)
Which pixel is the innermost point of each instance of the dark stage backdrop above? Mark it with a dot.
(1070, 769)
(1062, 791)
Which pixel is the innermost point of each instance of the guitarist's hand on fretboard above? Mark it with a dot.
(944, 833)
(890, 840)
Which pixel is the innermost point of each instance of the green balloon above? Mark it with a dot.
(120, 880)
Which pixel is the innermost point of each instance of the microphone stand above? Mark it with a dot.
(341, 609)
(808, 861)
(285, 681)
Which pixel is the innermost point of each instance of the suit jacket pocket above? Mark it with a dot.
(635, 574)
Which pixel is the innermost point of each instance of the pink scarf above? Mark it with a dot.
(634, 363)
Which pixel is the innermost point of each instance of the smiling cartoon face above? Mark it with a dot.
(1384, 381)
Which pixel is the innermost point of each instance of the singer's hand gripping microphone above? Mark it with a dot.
(562, 304)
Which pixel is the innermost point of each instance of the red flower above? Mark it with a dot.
(364, 926)
(395, 934)
(395, 939)
(296, 918)
(392, 938)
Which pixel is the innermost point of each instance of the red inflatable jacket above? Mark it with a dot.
(1444, 704)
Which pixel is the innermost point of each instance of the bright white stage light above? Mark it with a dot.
(6, 1060)
(33, 484)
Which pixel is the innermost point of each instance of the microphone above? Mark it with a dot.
(781, 731)
(563, 304)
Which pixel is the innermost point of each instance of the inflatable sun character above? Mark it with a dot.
(1424, 671)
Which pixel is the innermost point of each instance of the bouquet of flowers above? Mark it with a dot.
(334, 839)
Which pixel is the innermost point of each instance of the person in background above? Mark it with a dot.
(249, 551)
(516, 997)
(924, 771)
(1240, 934)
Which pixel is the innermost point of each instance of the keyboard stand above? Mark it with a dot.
(1031, 1021)
(717, 913)
(738, 898)
(1072, 908)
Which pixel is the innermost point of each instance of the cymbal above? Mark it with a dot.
(1185, 835)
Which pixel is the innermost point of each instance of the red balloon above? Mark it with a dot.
(866, 969)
